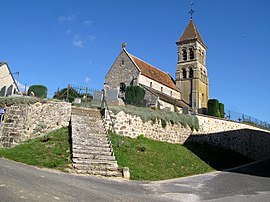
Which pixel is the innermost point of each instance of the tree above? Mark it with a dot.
(135, 95)
(221, 110)
(38, 91)
(66, 94)
(213, 108)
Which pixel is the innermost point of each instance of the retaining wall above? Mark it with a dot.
(24, 121)
(247, 140)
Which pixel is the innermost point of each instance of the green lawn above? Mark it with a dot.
(153, 160)
(147, 159)
(51, 151)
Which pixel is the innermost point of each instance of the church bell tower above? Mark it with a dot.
(191, 71)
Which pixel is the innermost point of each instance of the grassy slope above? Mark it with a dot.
(51, 151)
(153, 160)
(147, 159)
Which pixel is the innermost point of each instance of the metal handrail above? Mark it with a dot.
(105, 106)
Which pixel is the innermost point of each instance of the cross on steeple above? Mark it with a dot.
(191, 9)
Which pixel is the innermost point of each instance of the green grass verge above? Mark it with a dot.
(51, 151)
(154, 160)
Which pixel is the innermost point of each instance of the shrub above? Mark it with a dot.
(221, 110)
(135, 95)
(38, 90)
(8, 101)
(213, 108)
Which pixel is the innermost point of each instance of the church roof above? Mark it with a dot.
(191, 32)
(154, 73)
(167, 98)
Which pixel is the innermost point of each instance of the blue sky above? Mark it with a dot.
(57, 42)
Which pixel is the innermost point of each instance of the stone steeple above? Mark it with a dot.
(191, 71)
(191, 33)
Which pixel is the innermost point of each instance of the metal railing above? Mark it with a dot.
(105, 107)
(243, 118)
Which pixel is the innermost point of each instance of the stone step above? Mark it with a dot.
(85, 144)
(81, 166)
(89, 152)
(92, 142)
(93, 156)
(92, 148)
(89, 121)
(89, 134)
(91, 138)
(88, 129)
(101, 173)
(95, 162)
(86, 112)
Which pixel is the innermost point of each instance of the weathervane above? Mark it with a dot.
(191, 9)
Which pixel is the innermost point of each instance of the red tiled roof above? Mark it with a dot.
(154, 73)
(191, 32)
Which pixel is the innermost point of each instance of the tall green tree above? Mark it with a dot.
(213, 108)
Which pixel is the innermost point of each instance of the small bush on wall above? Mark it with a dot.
(38, 91)
(135, 95)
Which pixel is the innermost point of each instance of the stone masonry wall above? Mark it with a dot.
(133, 126)
(22, 122)
(249, 141)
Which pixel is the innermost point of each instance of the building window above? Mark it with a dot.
(191, 54)
(151, 84)
(171, 93)
(161, 89)
(122, 62)
(122, 87)
(202, 57)
(184, 73)
(191, 73)
(202, 98)
(184, 53)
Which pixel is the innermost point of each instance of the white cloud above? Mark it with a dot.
(91, 38)
(68, 18)
(88, 80)
(87, 23)
(77, 41)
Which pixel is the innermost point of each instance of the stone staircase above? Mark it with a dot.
(92, 152)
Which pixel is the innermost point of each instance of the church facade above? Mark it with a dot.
(188, 90)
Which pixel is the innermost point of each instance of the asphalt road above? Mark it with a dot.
(19, 182)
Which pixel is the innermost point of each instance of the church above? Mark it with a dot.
(187, 92)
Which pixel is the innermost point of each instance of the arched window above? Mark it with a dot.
(202, 57)
(191, 73)
(184, 73)
(151, 84)
(184, 53)
(161, 89)
(202, 98)
(122, 87)
(191, 54)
